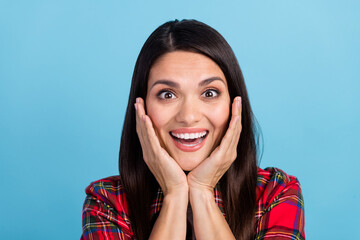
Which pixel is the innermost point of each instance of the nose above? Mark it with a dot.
(189, 112)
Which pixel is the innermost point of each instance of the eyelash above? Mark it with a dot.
(211, 90)
(165, 91)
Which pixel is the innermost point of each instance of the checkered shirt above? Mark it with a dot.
(279, 213)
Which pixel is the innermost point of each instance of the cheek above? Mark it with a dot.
(158, 115)
(219, 117)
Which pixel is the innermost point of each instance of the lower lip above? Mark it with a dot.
(187, 148)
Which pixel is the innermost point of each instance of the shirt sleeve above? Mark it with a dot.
(100, 220)
(282, 216)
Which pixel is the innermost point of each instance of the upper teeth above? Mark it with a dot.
(189, 135)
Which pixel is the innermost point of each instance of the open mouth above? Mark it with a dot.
(189, 139)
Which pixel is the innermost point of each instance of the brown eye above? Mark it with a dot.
(166, 95)
(211, 93)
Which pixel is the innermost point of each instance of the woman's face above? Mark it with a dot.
(189, 104)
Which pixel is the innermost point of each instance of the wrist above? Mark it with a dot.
(177, 194)
(177, 199)
(201, 194)
(180, 190)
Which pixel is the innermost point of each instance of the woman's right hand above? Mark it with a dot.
(166, 170)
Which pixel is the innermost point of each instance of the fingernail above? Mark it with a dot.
(135, 106)
(239, 101)
(137, 100)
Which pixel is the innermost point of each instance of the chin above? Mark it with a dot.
(187, 168)
(188, 164)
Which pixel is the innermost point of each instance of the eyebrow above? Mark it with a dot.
(166, 82)
(176, 85)
(210, 80)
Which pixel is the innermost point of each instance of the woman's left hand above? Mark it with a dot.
(207, 174)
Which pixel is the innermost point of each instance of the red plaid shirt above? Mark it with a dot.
(279, 215)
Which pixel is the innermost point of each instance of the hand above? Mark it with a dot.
(208, 173)
(166, 170)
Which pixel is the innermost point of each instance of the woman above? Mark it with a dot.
(185, 172)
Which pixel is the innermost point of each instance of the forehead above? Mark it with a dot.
(182, 66)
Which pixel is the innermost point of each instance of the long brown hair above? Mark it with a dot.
(238, 185)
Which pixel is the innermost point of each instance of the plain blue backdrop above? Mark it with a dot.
(65, 71)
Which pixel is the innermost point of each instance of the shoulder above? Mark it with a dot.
(109, 191)
(110, 184)
(275, 177)
(273, 183)
(105, 210)
(280, 210)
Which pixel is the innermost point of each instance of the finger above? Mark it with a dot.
(140, 108)
(141, 128)
(237, 110)
(228, 137)
(233, 137)
(139, 113)
(141, 116)
(148, 132)
(153, 139)
(233, 126)
(236, 106)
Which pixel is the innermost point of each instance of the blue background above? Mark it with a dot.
(65, 70)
